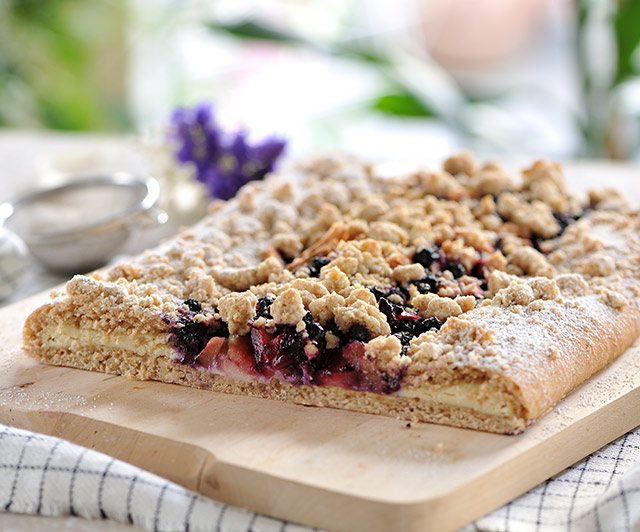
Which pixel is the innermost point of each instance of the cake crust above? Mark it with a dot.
(460, 297)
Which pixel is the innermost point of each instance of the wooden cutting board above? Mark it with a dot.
(321, 467)
(327, 468)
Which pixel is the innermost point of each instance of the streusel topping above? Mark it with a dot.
(405, 265)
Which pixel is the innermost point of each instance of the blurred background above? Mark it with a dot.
(410, 78)
(91, 86)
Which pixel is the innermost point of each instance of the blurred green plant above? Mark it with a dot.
(62, 64)
(610, 124)
(401, 100)
(417, 87)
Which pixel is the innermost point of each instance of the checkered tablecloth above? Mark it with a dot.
(47, 476)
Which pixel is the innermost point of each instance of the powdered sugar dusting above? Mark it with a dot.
(22, 397)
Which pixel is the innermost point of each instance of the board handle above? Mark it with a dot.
(183, 463)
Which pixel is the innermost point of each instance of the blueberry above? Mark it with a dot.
(316, 264)
(308, 318)
(193, 304)
(314, 330)
(222, 329)
(457, 269)
(425, 325)
(333, 328)
(377, 292)
(536, 240)
(359, 333)
(189, 339)
(391, 383)
(316, 334)
(429, 283)
(405, 326)
(478, 269)
(292, 344)
(263, 307)
(404, 337)
(387, 308)
(426, 256)
(563, 219)
(399, 291)
(292, 339)
(391, 311)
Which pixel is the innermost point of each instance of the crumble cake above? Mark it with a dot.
(462, 296)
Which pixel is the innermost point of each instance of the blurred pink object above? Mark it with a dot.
(468, 33)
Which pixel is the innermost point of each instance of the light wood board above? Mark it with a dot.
(321, 467)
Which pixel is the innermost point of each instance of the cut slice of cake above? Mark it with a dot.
(459, 297)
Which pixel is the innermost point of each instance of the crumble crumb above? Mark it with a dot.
(361, 294)
(238, 309)
(360, 312)
(531, 262)
(544, 288)
(335, 280)
(323, 307)
(239, 279)
(598, 265)
(288, 307)
(409, 272)
(572, 284)
(430, 305)
(517, 293)
(332, 340)
(614, 299)
(288, 244)
(497, 281)
(386, 352)
(461, 163)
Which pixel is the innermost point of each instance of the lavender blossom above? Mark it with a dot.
(223, 162)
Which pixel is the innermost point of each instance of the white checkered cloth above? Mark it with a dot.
(48, 476)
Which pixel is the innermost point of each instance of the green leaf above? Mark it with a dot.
(251, 29)
(402, 104)
(626, 24)
(255, 30)
(356, 50)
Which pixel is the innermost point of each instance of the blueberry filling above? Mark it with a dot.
(405, 339)
(297, 357)
(303, 356)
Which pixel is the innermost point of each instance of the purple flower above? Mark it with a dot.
(223, 162)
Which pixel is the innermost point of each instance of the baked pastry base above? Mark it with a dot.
(493, 352)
